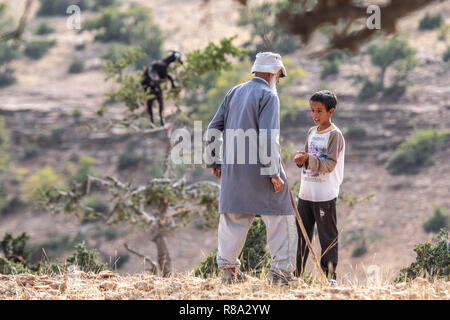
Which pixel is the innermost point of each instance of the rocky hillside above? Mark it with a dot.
(39, 108)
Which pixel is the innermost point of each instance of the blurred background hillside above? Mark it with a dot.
(394, 108)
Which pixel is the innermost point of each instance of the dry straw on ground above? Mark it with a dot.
(111, 286)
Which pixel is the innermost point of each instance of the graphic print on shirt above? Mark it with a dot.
(318, 148)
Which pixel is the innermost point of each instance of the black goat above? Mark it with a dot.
(153, 75)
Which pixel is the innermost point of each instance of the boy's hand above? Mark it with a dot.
(278, 184)
(301, 157)
(216, 172)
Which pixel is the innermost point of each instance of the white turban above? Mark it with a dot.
(269, 62)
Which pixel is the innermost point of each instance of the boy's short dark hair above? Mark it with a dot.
(326, 97)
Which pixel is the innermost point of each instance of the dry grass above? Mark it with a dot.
(111, 286)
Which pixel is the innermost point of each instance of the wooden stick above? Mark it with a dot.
(302, 228)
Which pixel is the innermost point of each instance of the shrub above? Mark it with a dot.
(109, 233)
(354, 132)
(76, 66)
(446, 56)
(15, 246)
(156, 165)
(254, 257)
(392, 53)
(8, 206)
(131, 26)
(99, 4)
(360, 249)
(330, 64)
(443, 31)
(8, 53)
(77, 114)
(430, 22)
(4, 146)
(36, 49)
(9, 267)
(54, 246)
(83, 257)
(439, 220)
(97, 209)
(59, 7)
(80, 46)
(369, 90)
(7, 77)
(44, 28)
(84, 169)
(116, 51)
(130, 157)
(86, 259)
(416, 152)
(39, 182)
(30, 150)
(432, 260)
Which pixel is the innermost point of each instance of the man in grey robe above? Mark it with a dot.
(243, 150)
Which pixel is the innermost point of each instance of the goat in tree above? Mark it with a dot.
(153, 75)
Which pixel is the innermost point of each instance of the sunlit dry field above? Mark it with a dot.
(111, 286)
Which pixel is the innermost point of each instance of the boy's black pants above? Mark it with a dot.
(324, 214)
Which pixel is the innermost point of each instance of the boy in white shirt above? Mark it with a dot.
(322, 166)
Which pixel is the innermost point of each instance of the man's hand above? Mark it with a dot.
(278, 184)
(301, 157)
(216, 172)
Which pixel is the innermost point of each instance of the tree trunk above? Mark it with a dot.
(164, 261)
(167, 166)
(382, 76)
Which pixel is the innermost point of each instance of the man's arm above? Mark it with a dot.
(217, 124)
(335, 146)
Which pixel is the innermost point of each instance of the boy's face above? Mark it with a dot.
(319, 113)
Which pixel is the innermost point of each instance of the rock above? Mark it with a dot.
(106, 274)
(108, 285)
(113, 296)
(299, 294)
(260, 294)
(144, 285)
(400, 285)
(206, 285)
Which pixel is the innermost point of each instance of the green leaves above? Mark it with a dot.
(440, 219)
(416, 152)
(393, 53)
(214, 58)
(432, 260)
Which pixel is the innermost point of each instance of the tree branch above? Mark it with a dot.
(154, 268)
(17, 33)
(180, 210)
(305, 23)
